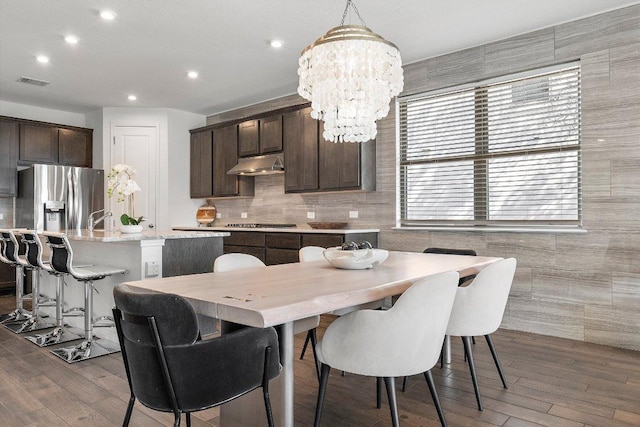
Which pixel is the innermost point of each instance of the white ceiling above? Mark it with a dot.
(149, 47)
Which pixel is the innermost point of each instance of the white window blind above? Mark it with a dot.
(498, 153)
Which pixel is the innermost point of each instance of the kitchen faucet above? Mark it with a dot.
(91, 223)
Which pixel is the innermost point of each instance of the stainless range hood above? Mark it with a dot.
(260, 165)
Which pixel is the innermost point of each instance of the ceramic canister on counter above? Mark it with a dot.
(206, 214)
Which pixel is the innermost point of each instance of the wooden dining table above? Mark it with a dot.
(279, 295)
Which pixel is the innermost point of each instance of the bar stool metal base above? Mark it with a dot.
(57, 335)
(17, 315)
(86, 350)
(29, 325)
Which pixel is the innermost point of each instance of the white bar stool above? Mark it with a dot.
(61, 333)
(9, 255)
(62, 262)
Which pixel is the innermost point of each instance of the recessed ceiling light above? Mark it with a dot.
(42, 59)
(71, 39)
(276, 43)
(107, 15)
(192, 74)
(132, 97)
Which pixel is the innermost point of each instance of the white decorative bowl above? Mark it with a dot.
(131, 229)
(360, 259)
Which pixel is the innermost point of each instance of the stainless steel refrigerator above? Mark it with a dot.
(58, 198)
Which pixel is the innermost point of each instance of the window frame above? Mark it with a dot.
(480, 191)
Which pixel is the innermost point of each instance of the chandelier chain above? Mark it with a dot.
(355, 9)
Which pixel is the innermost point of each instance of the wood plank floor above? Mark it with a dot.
(552, 382)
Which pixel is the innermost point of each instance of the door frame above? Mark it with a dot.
(112, 135)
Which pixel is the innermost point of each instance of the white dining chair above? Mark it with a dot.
(311, 253)
(316, 253)
(230, 262)
(404, 340)
(478, 310)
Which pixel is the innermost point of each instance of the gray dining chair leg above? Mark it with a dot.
(393, 403)
(324, 378)
(188, 414)
(265, 387)
(127, 415)
(314, 342)
(306, 343)
(472, 368)
(496, 360)
(434, 395)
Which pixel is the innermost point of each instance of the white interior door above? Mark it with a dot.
(137, 146)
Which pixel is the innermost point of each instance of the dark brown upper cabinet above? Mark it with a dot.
(54, 144)
(260, 136)
(38, 144)
(339, 165)
(314, 164)
(225, 156)
(75, 148)
(201, 170)
(271, 134)
(300, 133)
(9, 140)
(249, 138)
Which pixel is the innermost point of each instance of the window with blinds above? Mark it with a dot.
(500, 153)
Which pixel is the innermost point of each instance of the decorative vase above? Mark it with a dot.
(131, 229)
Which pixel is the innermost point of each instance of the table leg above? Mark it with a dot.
(446, 349)
(248, 410)
(286, 358)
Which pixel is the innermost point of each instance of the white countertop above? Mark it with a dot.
(281, 230)
(116, 236)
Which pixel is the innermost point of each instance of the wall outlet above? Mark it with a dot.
(218, 215)
(311, 215)
(152, 269)
(353, 214)
(243, 215)
(1, 216)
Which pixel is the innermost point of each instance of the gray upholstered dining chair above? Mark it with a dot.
(478, 310)
(170, 369)
(453, 251)
(404, 340)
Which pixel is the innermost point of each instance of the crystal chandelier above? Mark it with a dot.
(350, 75)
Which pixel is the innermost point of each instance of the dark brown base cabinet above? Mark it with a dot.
(281, 248)
(7, 279)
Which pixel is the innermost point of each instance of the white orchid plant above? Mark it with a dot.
(124, 187)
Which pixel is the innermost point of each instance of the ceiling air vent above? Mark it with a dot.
(35, 82)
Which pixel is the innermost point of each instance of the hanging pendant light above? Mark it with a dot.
(350, 75)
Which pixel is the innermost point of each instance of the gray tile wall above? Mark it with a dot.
(584, 287)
